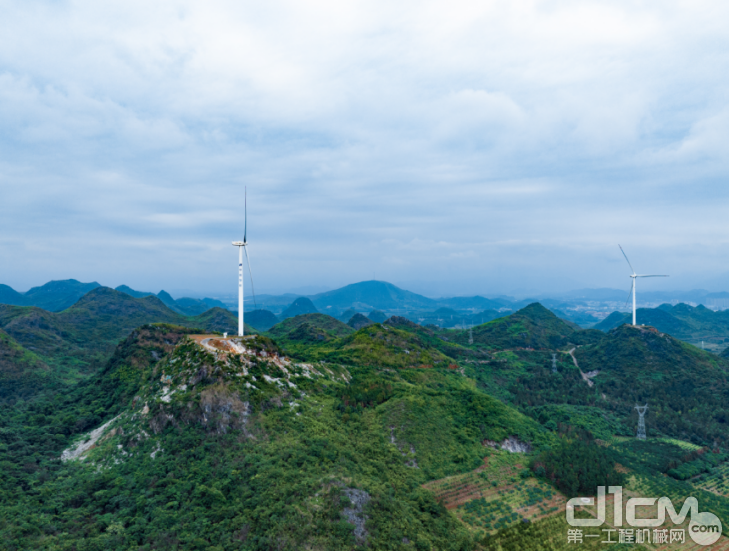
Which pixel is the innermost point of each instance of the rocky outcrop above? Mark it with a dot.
(511, 444)
(79, 450)
(355, 514)
(222, 409)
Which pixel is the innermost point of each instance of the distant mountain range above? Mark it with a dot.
(56, 296)
(185, 306)
(374, 299)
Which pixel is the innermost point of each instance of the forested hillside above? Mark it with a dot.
(76, 342)
(318, 436)
(697, 325)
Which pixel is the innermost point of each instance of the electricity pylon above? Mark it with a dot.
(641, 421)
(554, 363)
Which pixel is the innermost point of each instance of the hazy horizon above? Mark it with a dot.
(418, 288)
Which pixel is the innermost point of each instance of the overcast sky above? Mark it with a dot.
(450, 147)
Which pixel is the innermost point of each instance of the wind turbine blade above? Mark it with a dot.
(245, 217)
(626, 259)
(652, 276)
(253, 290)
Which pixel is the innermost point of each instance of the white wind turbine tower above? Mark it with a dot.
(242, 249)
(635, 276)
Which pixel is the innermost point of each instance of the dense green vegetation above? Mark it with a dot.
(686, 389)
(283, 477)
(318, 324)
(21, 371)
(694, 324)
(578, 466)
(320, 436)
(76, 342)
(532, 327)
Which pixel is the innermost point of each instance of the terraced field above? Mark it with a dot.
(498, 494)
(508, 509)
(688, 446)
(499, 470)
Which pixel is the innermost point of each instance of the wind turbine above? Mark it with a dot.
(635, 276)
(241, 249)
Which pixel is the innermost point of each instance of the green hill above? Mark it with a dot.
(389, 437)
(131, 292)
(217, 319)
(347, 315)
(319, 326)
(371, 294)
(317, 337)
(358, 321)
(685, 387)
(231, 453)
(433, 337)
(378, 316)
(55, 296)
(22, 373)
(262, 320)
(8, 295)
(193, 306)
(661, 319)
(301, 305)
(384, 346)
(531, 327)
(186, 306)
(616, 319)
(695, 325)
(79, 340)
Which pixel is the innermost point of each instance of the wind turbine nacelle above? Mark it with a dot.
(239, 243)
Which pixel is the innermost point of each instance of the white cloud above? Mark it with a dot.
(357, 126)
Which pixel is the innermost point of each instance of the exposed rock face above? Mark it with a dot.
(511, 444)
(514, 445)
(78, 451)
(355, 514)
(222, 409)
(160, 421)
(412, 461)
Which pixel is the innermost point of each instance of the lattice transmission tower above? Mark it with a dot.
(470, 335)
(554, 363)
(641, 421)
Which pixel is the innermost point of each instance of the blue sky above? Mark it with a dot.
(451, 147)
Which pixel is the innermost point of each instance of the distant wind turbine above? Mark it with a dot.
(634, 276)
(241, 249)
